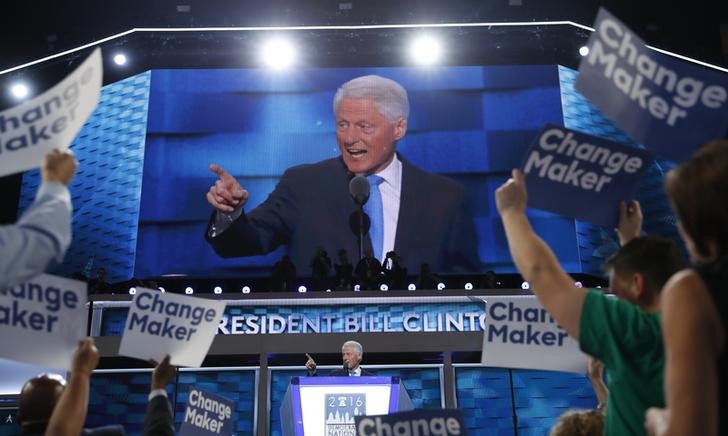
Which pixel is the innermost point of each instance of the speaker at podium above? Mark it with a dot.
(316, 406)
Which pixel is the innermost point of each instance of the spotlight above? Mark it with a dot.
(525, 286)
(426, 50)
(278, 54)
(583, 50)
(217, 290)
(468, 286)
(19, 90)
(411, 287)
(161, 289)
(189, 290)
(357, 288)
(383, 287)
(440, 286)
(246, 289)
(579, 284)
(328, 290)
(302, 289)
(132, 291)
(120, 59)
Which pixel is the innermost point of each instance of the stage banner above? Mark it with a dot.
(163, 323)
(207, 414)
(520, 333)
(334, 315)
(43, 321)
(51, 120)
(669, 105)
(445, 422)
(581, 176)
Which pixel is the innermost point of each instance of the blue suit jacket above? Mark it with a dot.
(311, 206)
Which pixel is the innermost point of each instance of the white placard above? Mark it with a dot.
(43, 320)
(316, 406)
(51, 120)
(520, 333)
(162, 323)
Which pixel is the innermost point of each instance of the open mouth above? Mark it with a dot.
(356, 152)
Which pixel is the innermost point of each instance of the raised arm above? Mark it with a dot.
(534, 259)
(158, 420)
(70, 412)
(42, 235)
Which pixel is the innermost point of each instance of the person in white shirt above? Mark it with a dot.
(40, 238)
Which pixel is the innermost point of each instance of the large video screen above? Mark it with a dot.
(139, 198)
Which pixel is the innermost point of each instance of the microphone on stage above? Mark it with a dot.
(359, 189)
(346, 368)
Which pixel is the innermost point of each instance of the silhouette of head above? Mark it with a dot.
(38, 398)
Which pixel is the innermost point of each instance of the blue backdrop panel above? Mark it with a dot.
(484, 397)
(120, 398)
(596, 243)
(541, 396)
(422, 384)
(106, 189)
(237, 385)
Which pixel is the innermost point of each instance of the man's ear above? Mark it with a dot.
(400, 129)
(640, 285)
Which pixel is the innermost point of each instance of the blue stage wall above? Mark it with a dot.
(484, 395)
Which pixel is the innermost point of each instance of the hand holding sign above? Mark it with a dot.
(512, 196)
(58, 166)
(163, 373)
(85, 358)
(630, 221)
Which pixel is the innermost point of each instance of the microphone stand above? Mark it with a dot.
(361, 232)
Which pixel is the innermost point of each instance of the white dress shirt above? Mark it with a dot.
(390, 188)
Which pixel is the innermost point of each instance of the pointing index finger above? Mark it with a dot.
(221, 173)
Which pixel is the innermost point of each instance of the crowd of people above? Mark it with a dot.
(662, 342)
(665, 360)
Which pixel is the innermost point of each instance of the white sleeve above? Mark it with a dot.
(39, 239)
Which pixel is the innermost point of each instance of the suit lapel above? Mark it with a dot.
(410, 199)
(341, 205)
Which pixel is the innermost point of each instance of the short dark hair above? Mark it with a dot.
(655, 257)
(38, 398)
(698, 189)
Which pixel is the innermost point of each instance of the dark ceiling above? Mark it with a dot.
(32, 29)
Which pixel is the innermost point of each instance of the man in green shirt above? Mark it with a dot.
(625, 337)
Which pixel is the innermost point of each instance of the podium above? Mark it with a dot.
(316, 406)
